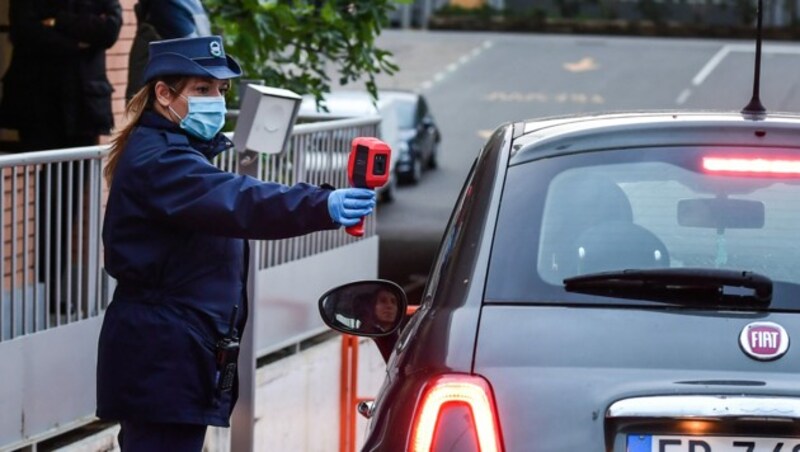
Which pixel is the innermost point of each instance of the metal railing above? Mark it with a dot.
(55, 288)
(52, 203)
(50, 259)
(317, 154)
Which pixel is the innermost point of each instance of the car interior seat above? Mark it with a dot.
(580, 203)
(619, 245)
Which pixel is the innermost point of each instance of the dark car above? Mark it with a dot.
(612, 282)
(419, 137)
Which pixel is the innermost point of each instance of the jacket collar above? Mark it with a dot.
(210, 149)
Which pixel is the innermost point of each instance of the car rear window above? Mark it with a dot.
(406, 113)
(645, 208)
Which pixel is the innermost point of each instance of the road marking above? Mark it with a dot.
(583, 65)
(485, 134)
(716, 60)
(453, 67)
(710, 65)
(683, 96)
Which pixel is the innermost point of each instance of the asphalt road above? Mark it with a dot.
(477, 81)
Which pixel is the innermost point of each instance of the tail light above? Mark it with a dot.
(456, 412)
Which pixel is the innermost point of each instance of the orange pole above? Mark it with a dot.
(348, 390)
(353, 393)
(344, 394)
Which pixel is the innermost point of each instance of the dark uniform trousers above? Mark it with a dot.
(160, 437)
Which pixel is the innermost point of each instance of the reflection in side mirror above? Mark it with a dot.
(365, 308)
(721, 213)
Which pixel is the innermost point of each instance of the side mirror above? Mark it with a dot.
(373, 308)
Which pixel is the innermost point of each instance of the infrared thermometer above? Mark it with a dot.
(368, 167)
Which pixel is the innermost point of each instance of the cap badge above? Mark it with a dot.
(764, 341)
(215, 48)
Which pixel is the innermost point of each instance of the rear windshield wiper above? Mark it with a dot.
(689, 286)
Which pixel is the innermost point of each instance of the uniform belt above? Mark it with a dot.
(137, 292)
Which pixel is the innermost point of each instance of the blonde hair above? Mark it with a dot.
(141, 101)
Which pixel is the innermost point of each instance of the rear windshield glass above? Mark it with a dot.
(645, 208)
(406, 113)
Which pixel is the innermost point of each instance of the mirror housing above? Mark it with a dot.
(372, 308)
(721, 213)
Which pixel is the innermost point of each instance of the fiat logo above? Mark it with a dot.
(764, 341)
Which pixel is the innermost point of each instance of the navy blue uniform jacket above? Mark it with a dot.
(173, 234)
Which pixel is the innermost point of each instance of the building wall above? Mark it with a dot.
(117, 60)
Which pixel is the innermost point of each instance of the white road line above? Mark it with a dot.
(710, 65)
(451, 68)
(684, 96)
(715, 61)
(725, 50)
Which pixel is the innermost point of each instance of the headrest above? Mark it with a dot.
(619, 245)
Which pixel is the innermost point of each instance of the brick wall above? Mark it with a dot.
(19, 235)
(117, 60)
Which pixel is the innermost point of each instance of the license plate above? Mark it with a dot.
(677, 443)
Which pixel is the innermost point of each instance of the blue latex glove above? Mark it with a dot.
(348, 205)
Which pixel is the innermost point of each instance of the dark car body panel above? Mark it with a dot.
(425, 348)
(555, 384)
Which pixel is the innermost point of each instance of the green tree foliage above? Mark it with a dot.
(295, 44)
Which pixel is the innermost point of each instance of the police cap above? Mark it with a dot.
(199, 57)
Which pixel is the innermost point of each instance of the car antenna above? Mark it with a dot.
(755, 108)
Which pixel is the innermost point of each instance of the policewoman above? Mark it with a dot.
(173, 235)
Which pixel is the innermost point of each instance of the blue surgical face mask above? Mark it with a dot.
(205, 116)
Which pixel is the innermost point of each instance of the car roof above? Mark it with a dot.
(568, 134)
(352, 102)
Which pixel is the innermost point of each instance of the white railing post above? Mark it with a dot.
(244, 415)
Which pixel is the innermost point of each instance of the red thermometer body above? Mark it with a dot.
(368, 167)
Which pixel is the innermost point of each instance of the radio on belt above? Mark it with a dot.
(368, 167)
